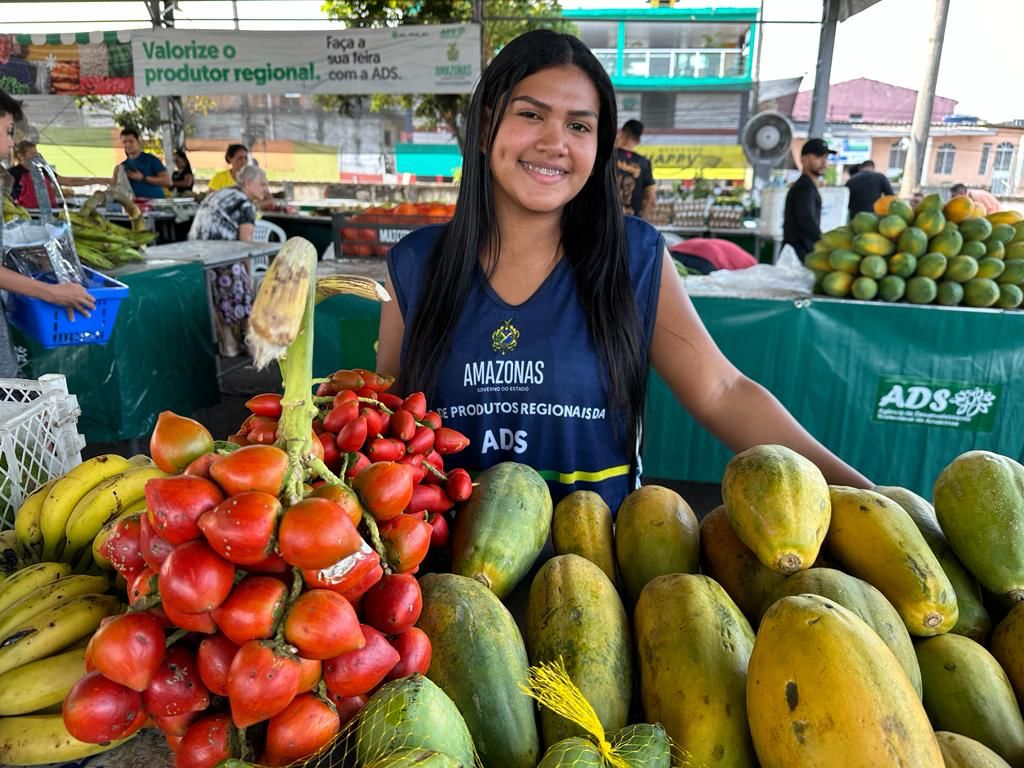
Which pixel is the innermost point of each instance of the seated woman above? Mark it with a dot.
(237, 156)
(230, 214)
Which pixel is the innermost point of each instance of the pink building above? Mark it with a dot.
(870, 101)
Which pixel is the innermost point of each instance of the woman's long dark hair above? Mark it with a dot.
(593, 240)
(184, 158)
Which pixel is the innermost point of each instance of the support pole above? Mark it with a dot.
(823, 70)
(917, 152)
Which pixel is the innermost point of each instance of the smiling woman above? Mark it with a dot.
(539, 268)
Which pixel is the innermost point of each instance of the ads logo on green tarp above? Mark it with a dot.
(954, 404)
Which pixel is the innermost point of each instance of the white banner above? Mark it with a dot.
(443, 58)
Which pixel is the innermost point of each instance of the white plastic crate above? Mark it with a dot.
(39, 438)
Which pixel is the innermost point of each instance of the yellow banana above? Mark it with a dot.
(141, 460)
(26, 520)
(100, 538)
(49, 596)
(55, 629)
(12, 559)
(40, 739)
(103, 503)
(40, 684)
(25, 581)
(67, 492)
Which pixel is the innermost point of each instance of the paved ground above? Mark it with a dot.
(240, 381)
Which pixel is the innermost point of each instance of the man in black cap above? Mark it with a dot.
(866, 186)
(801, 223)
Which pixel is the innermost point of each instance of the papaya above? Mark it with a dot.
(976, 229)
(932, 265)
(973, 621)
(412, 713)
(502, 529)
(921, 290)
(902, 209)
(582, 525)
(961, 752)
(837, 284)
(1008, 648)
(656, 532)
(973, 248)
(950, 293)
(1014, 250)
(1004, 217)
(958, 209)
(979, 501)
(1018, 230)
(874, 267)
(865, 221)
(842, 260)
(866, 602)
(575, 614)
(930, 221)
(950, 226)
(891, 226)
(891, 288)
(947, 243)
(873, 244)
(1013, 272)
(413, 758)
(882, 204)
(989, 268)
(961, 268)
(864, 289)
(873, 538)
(573, 752)
(749, 582)
(913, 241)
(824, 691)
(778, 504)
(818, 260)
(967, 692)
(995, 249)
(479, 660)
(981, 292)
(902, 264)
(1010, 297)
(932, 202)
(639, 746)
(1003, 233)
(695, 687)
(840, 237)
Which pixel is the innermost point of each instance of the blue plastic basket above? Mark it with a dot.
(49, 325)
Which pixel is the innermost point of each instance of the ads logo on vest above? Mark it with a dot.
(953, 404)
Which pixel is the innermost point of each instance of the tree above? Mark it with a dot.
(503, 21)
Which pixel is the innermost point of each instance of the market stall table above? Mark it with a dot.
(160, 355)
(316, 229)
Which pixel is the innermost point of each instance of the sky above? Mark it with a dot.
(888, 42)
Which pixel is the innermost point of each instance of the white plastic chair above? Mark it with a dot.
(261, 233)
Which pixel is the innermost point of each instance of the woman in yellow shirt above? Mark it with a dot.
(237, 158)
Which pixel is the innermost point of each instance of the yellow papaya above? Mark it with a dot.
(778, 504)
(656, 532)
(979, 501)
(730, 562)
(582, 526)
(967, 692)
(866, 602)
(873, 538)
(974, 621)
(824, 691)
(575, 614)
(695, 688)
(1005, 217)
(959, 209)
(961, 752)
(1008, 647)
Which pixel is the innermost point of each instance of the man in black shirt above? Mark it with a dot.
(801, 222)
(633, 174)
(866, 186)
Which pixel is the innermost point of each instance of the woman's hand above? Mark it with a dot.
(73, 296)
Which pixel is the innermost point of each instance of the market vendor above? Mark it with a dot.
(531, 318)
(182, 180)
(24, 192)
(230, 214)
(146, 173)
(237, 157)
(70, 295)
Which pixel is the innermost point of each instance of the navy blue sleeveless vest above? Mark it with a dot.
(525, 383)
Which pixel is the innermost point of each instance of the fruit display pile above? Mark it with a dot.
(928, 254)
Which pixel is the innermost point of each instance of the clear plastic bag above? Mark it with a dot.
(786, 278)
(44, 247)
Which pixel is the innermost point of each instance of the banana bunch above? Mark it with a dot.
(103, 245)
(41, 739)
(60, 520)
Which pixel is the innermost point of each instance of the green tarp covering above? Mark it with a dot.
(160, 357)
